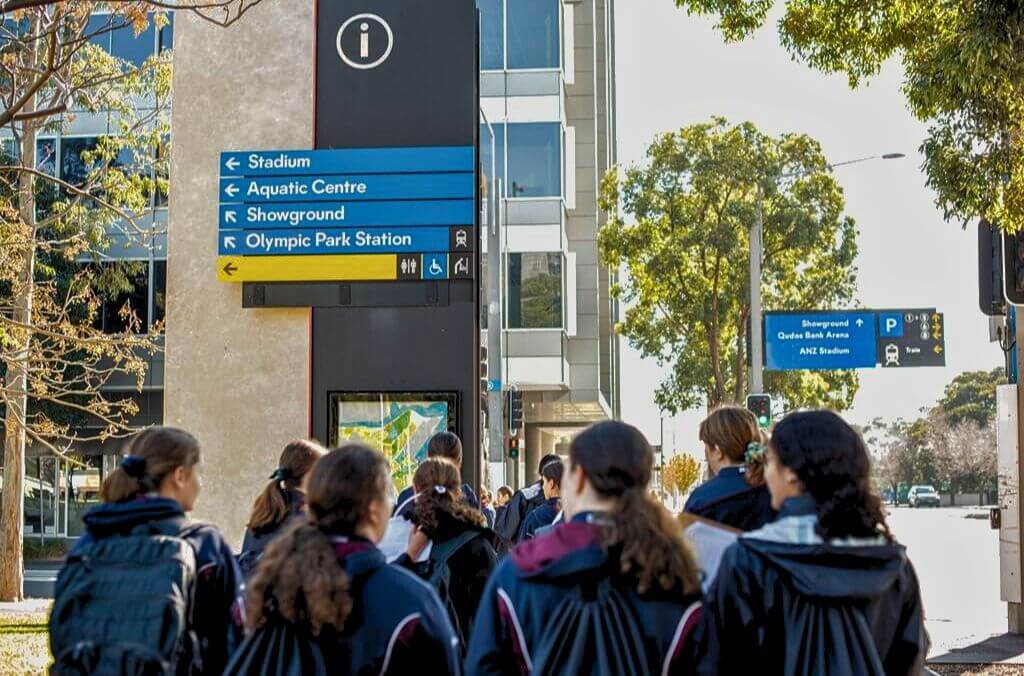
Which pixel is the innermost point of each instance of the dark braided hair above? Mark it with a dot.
(833, 463)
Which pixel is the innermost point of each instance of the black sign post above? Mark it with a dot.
(394, 73)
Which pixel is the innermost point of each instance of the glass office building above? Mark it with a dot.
(547, 88)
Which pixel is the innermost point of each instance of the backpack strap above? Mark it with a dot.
(441, 552)
(398, 510)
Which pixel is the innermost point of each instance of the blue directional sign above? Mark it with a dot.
(333, 241)
(347, 161)
(820, 340)
(363, 187)
(347, 214)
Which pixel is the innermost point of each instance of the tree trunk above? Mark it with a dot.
(12, 509)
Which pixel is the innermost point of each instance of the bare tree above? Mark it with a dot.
(54, 234)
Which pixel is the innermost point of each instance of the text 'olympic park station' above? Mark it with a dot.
(270, 123)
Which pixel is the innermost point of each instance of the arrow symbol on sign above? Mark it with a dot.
(231, 163)
(230, 217)
(938, 349)
(229, 269)
(229, 242)
(860, 322)
(231, 190)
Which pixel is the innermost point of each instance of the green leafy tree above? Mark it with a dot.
(972, 397)
(679, 225)
(964, 75)
(55, 359)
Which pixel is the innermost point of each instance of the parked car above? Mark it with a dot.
(924, 496)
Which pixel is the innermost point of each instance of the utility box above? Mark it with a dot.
(1009, 482)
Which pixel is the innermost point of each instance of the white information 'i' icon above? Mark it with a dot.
(369, 45)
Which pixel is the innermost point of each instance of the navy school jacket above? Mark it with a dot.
(543, 515)
(218, 609)
(529, 586)
(508, 522)
(256, 541)
(729, 499)
(397, 626)
(467, 494)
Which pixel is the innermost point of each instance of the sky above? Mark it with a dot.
(673, 70)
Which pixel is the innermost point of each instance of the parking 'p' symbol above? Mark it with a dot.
(365, 41)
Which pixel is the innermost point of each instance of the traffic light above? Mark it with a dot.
(483, 370)
(990, 270)
(761, 406)
(1013, 267)
(513, 448)
(515, 411)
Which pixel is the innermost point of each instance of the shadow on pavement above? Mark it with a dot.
(1005, 648)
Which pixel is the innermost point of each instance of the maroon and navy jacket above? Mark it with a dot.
(512, 620)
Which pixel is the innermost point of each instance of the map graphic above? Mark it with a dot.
(399, 430)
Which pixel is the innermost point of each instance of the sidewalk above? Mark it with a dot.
(25, 608)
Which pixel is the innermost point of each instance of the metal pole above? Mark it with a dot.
(495, 399)
(1015, 611)
(756, 324)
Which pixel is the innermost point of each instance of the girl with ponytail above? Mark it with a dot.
(613, 590)
(323, 599)
(280, 501)
(157, 484)
(735, 495)
(830, 590)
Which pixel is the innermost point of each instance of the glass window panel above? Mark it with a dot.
(134, 49)
(110, 319)
(159, 290)
(98, 30)
(167, 34)
(499, 151)
(534, 291)
(492, 38)
(74, 169)
(533, 34)
(534, 159)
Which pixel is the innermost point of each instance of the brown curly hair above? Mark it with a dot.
(299, 578)
(431, 503)
(618, 462)
(731, 429)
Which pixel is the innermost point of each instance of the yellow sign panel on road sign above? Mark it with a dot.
(346, 268)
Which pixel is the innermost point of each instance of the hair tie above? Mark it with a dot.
(755, 451)
(281, 474)
(134, 466)
(440, 489)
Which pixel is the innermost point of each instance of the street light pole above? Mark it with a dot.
(756, 259)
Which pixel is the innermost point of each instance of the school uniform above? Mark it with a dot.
(559, 604)
(470, 566)
(397, 625)
(256, 540)
(218, 612)
(787, 602)
(510, 520)
(729, 499)
(543, 516)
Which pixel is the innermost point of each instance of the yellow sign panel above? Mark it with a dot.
(348, 268)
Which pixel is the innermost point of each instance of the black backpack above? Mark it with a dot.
(593, 631)
(438, 574)
(124, 606)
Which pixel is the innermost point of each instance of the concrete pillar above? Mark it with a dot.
(237, 379)
(531, 458)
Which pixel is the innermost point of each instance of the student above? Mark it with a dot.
(486, 506)
(524, 501)
(501, 502)
(280, 502)
(323, 599)
(127, 580)
(459, 540)
(443, 445)
(736, 495)
(824, 589)
(614, 590)
(545, 514)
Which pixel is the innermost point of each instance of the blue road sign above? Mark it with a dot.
(890, 324)
(347, 161)
(494, 385)
(344, 214)
(820, 341)
(348, 187)
(435, 266)
(299, 241)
